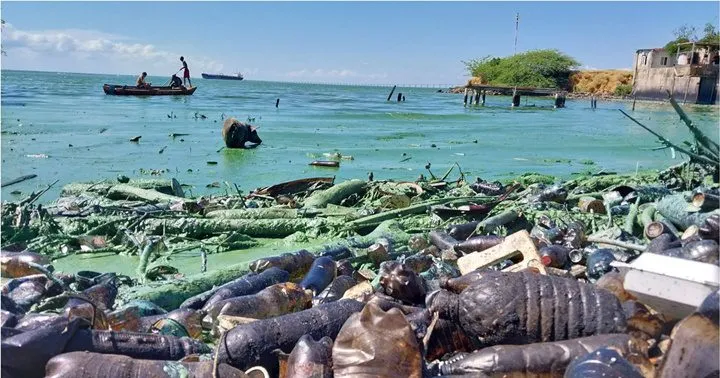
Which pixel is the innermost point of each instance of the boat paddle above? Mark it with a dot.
(168, 82)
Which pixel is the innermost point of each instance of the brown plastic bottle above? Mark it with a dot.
(554, 255)
(375, 343)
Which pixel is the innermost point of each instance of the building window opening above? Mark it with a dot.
(644, 59)
(664, 61)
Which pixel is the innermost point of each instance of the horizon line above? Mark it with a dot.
(438, 85)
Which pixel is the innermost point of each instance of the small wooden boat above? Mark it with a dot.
(237, 76)
(128, 90)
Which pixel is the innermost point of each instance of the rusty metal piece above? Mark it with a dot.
(91, 365)
(548, 359)
(522, 308)
(295, 263)
(311, 359)
(245, 285)
(320, 275)
(335, 291)
(401, 283)
(253, 344)
(276, 300)
(478, 243)
(376, 343)
(695, 346)
(14, 264)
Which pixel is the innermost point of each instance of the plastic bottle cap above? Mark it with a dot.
(546, 260)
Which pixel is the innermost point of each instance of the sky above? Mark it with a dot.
(330, 42)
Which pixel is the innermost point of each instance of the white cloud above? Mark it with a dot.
(84, 44)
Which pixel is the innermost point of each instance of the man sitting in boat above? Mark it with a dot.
(141, 81)
(175, 82)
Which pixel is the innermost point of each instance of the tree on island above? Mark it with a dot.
(535, 68)
(686, 33)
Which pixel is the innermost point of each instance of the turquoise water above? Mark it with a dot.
(52, 123)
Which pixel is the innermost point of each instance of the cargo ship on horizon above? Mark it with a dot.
(237, 76)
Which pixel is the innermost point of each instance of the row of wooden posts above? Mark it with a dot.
(479, 98)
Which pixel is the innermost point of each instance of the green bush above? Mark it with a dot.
(536, 68)
(623, 90)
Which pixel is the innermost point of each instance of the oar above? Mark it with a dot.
(168, 82)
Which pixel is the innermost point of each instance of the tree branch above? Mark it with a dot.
(669, 143)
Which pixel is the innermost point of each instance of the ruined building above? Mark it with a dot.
(691, 74)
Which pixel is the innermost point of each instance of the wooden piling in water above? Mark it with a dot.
(477, 97)
(277, 103)
(465, 99)
(515, 99)
(399, 97)
(391, 92)
(634, 99)
(483, 96)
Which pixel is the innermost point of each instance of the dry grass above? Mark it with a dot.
(599, 82)
(475, 80)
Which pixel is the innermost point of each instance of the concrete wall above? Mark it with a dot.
(651, 83)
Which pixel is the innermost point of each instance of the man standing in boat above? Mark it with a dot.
(186, 73)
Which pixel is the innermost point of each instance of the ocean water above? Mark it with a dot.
(62, 127)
